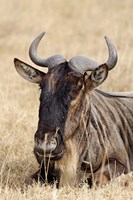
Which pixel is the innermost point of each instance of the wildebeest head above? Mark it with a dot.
(64, 84)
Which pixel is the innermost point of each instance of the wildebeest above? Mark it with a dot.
(82, 132)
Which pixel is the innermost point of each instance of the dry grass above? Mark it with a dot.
(73, 27)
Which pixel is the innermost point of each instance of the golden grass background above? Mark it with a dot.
(73, 27)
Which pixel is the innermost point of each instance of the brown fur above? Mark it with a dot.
(68, 165)
(107, 158)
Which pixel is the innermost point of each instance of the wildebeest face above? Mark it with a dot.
(63, 86)
(59, 87)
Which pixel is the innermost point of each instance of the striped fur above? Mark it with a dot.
(100, 128)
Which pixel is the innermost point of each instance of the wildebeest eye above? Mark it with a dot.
(73, 87)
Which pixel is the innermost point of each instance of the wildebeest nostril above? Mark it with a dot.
(39, 151)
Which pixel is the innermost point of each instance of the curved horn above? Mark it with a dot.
(48, 62)
(113, 57)
(83, 64)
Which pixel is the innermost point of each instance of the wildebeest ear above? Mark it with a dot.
(97, 76)
(27, 72)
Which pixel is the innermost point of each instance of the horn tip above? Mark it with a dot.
(42, 34)
(106, 38)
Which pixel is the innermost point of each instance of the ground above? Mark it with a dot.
(73, 27)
